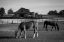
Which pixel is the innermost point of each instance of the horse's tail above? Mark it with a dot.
(57, 26)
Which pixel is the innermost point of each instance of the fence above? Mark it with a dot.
(6, 21)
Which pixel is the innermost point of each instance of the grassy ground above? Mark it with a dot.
(7, 34)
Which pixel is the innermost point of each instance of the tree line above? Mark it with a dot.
(56, 13)
(23, 12)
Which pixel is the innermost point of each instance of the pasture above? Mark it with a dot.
(7, 33)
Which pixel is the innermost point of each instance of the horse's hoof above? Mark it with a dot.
(25, 37)
(58, 29)
(37, 35)
(16, 37)
(46, 30)
(33, 37)
(20, 37)
(51, 30)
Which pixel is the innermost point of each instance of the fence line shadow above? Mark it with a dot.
(6, 37)
(11, 37)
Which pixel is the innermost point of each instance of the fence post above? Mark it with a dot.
(2, 22)
(17, 20)
(12, 21)
(42, 20)
(25, 20)
(21, 20)
(7, 21)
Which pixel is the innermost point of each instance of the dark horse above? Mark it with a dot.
(51, 23)
(25, 26)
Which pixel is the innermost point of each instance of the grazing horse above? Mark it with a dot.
(25, 26)
(51, 23)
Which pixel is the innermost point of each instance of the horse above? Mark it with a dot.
(24, 26)
(51, 23)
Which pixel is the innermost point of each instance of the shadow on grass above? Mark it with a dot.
(6, 37)
(11, 37)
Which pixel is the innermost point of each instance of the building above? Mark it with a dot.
(21, 12)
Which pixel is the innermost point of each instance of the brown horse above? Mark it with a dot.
(25, 26)
(51, 23)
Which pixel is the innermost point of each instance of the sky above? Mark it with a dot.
(40, 6)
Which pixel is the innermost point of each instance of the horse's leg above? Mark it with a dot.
(34, 33)
(37, 31)
(46, 28)
(25, 31)
(55, 27)
(58, 28)
(20, 33)
(52, 28)
(44, 25)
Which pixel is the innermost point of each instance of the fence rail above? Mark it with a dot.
(6, 21)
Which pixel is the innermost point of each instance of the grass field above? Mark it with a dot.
(7, 34)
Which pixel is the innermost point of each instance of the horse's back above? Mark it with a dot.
(46, 22)
(35, 23)
(50, 23)
(28, 25)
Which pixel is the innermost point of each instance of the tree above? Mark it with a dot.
(36, 15)
(2, 11)
(40, 16)
(10, 11)
(61, 12)
(53, 12)
(32, 14)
